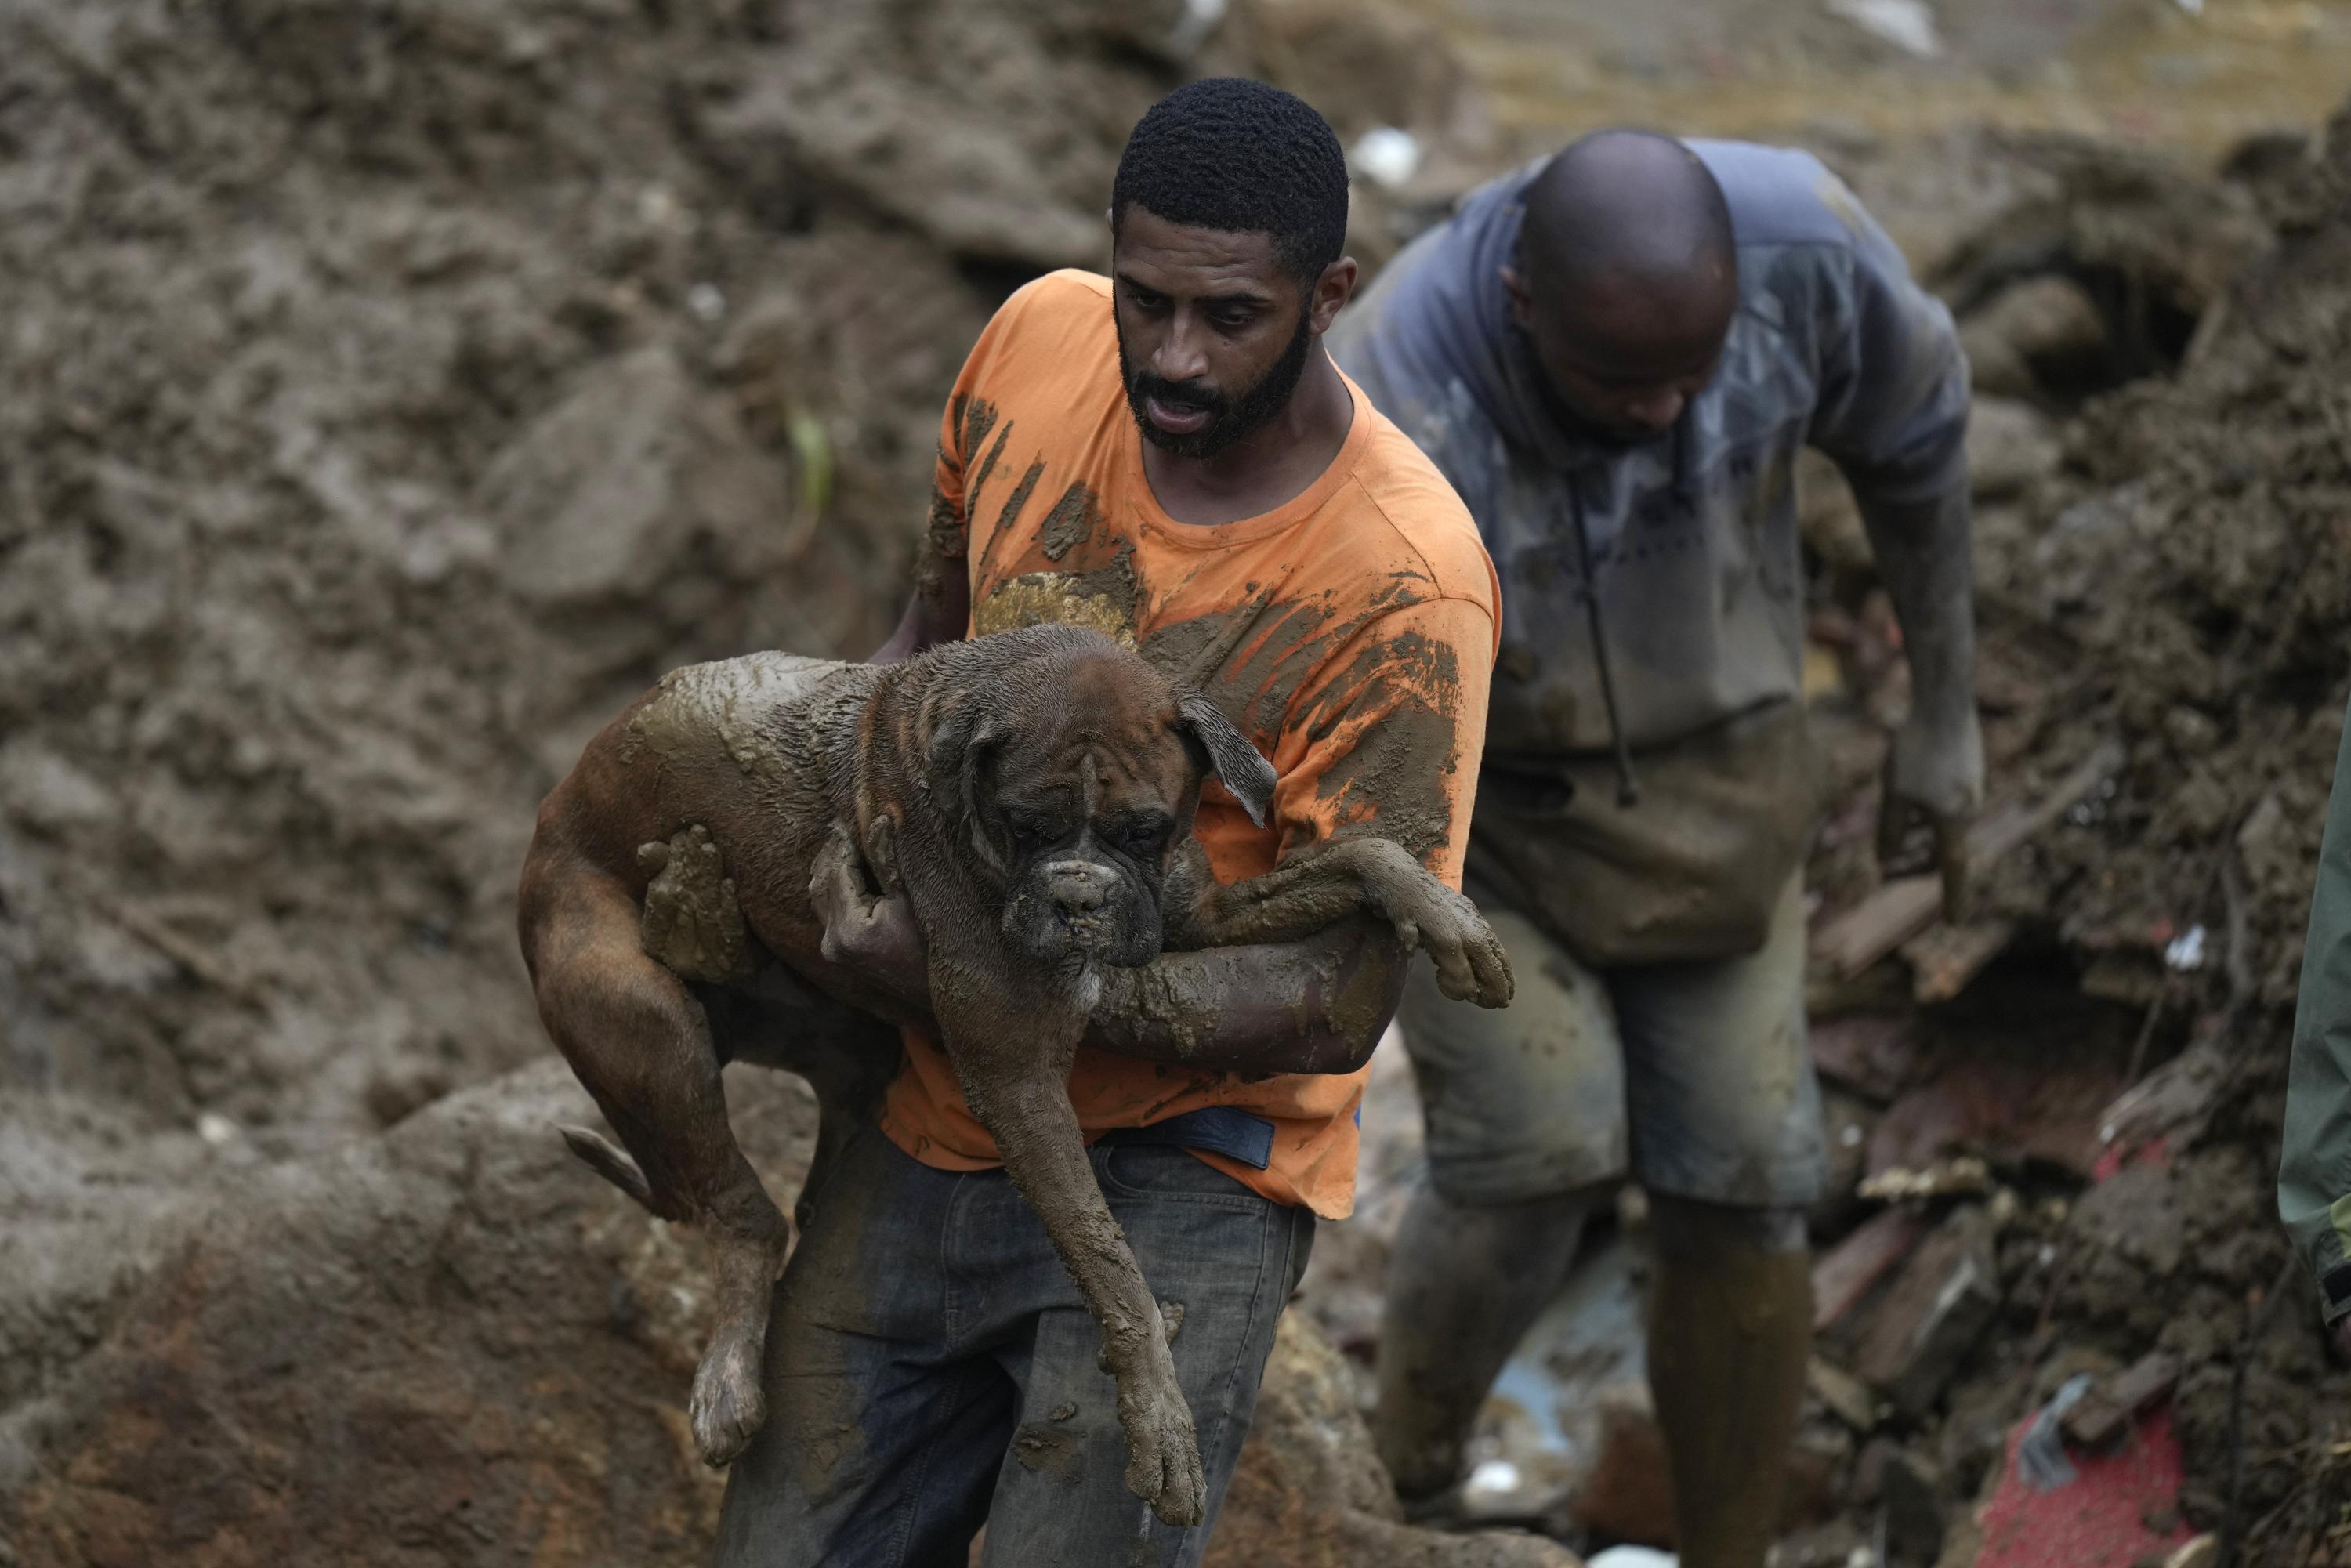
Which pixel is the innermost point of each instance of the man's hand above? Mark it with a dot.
(872, 935)
(2339, 1331)
(1934, 771)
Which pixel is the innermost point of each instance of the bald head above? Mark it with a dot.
(1626, 278)
(1628, 209)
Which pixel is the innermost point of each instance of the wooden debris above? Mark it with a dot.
(1944, 959)
(2106, 1411)
(1902, 908)
(1924, 1325)
(1845, 1273)
(1965, 1176)
(1870, 1053)
(2174, 1100)
(2004, 1105)
(1847, 1398)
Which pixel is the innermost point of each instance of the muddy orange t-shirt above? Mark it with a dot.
(1349, 633)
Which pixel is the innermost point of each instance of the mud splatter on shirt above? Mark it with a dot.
(1350, 633)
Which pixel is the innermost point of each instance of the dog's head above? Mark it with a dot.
(1075, 771)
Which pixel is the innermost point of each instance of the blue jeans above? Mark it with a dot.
(925, 1333)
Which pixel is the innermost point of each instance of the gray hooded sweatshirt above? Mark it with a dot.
(1692, 535)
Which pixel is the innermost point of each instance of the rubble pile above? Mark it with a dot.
(2080, 1141)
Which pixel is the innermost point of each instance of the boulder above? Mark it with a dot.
(450, 1344)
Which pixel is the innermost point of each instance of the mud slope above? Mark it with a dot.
(395, 390)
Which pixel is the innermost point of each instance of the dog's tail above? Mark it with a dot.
(598, 1155)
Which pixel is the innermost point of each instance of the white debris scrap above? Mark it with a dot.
(1386, 156)
(1907, 25)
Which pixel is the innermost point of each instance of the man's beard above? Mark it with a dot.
(1231, 419)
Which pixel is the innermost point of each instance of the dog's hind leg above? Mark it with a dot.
(642, 1045)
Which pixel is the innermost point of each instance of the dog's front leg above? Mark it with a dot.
(1015, 1071)
(1327, 881)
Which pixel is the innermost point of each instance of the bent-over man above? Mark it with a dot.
(1615, 356)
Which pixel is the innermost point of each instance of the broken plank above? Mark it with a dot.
(2112, 1404)
(2174, 1100)
(1846, 1272)
(1852, 1401)
(1929, 1318)
(1901, 909)
(1944, 959)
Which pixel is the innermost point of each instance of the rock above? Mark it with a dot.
(615, 484)
(1310, 1491)
(2010, 446)
(2040, 333)
(452, 1342)
(1827, 520)
(1916, 1509)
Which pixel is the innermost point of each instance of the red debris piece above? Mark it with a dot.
(2004, 1109)
(2097, 1519)
(1870, 1053)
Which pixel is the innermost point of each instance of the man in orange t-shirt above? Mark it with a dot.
(1167, 455)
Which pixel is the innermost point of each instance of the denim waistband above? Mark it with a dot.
(1224, 1130)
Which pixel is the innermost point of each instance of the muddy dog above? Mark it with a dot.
(1032, 794)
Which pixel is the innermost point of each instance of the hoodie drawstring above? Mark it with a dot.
(1628, 788)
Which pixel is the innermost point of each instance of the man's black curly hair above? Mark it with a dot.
(1237, 155)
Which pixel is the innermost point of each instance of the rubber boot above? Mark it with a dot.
(1463, 1287)
(1730, 1330)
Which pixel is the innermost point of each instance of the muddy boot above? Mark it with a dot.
(1463, 1286)
(1730, 1329)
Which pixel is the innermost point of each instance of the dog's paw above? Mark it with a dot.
(1163, 1464)
(727, 1408)
(1471, 964)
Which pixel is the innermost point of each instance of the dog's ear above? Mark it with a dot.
(964, 740)
(1227, 753)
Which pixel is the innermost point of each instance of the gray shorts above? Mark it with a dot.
(1694, 1078)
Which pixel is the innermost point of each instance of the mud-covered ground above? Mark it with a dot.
(394, 391)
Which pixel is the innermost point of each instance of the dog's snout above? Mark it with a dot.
(1079, 887)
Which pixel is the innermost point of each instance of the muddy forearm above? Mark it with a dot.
(938, 612)
(1314, 1005)
(1924, 560)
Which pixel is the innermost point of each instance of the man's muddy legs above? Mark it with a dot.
(1730, 1330)
(642, 1045)
(1464, 1285)
(1021, 1096)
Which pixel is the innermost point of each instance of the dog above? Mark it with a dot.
(1033, 795)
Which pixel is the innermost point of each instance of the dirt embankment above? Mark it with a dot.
(395, 389)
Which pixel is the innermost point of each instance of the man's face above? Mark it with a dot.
(1213, 334)
(1625, 363)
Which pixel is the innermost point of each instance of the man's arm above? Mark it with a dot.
(933, 615)
(2314, 1165)
(1315, 1006)
(1893, 416)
